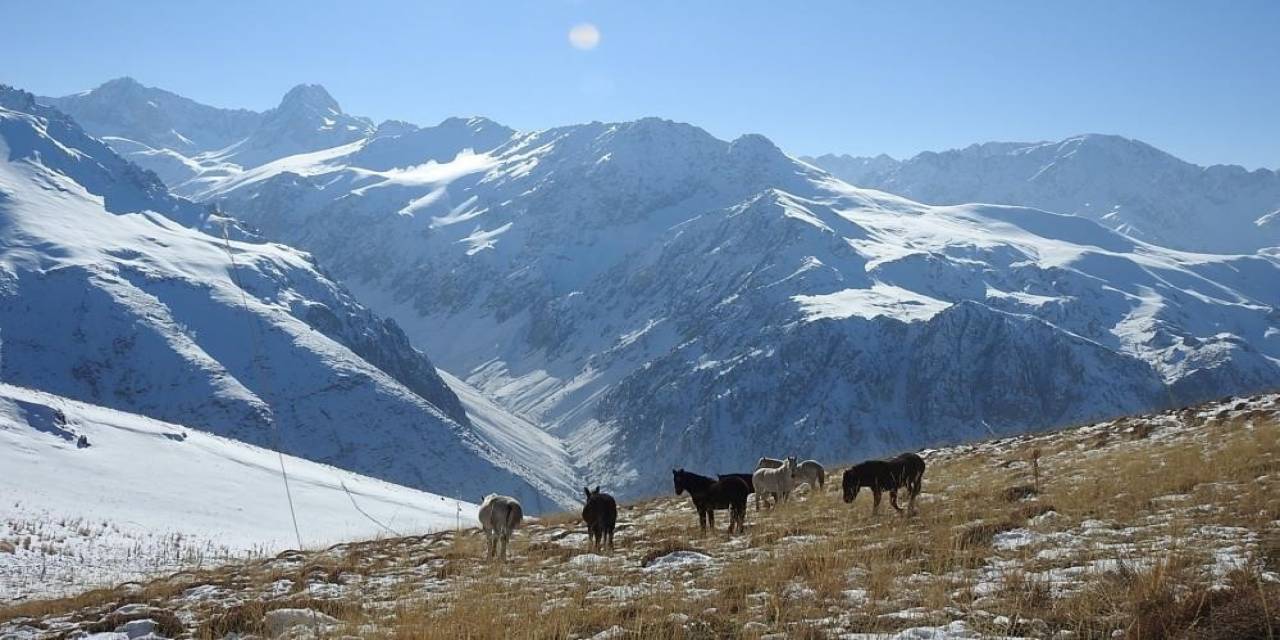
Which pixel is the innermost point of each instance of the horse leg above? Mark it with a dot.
(702, 521)
(875, 506)
(893, 499)
(489, 538)
(711, 520)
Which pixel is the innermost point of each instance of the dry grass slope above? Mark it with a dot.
(1164, 526)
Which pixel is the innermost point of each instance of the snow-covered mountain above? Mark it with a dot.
(663, 298)
(183, 141)
(659, 297)
(124, 108)
(109, 295)
(102, 496)
(1123, 184)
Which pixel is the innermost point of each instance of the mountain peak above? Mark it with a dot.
(122, 88)
(15, 98)
(123, 82)
(754, 142)
(310, 97)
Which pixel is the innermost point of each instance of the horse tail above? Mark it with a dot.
(514, 515)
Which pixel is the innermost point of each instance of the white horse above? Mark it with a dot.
(499, 516)
(812, 472)
(769, 463)
(777, 482)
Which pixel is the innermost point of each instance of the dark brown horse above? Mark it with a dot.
(709, 495)
(906, 470)
(601, 515)
(745, 477)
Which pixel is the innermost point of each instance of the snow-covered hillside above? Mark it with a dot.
(662, 298)
(1124, 184)
(96, 496)
(104, 299)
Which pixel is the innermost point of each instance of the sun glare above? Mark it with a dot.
(584, 36)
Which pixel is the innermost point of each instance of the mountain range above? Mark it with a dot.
(1125, 185)
(650, 296)
(112, 293)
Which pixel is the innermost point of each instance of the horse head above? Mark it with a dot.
(678, 480)
(851, 484)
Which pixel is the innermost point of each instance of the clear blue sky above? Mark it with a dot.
(1199, 79)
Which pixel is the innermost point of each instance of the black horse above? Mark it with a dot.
(745, 477)
(601, 515)
(709, 495)
(906, 470)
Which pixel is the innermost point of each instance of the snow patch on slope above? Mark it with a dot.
(148, 497)
(878, 300)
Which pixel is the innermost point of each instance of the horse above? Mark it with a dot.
(709, 495)
(601, 515)
(769, 463)
(906, 470)
(745, 477)
(777, 482)
(812, 472)
(499, 516)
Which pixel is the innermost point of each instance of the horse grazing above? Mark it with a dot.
(906, 470)
(709, 495)
(601, 515)
(499, 516)
(812, 472)
(745, 477)
(776, 482)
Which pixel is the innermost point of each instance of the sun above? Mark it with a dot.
(584, 36)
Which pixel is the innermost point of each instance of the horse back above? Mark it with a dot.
(912, 463)
(726, 493)
(745, 477)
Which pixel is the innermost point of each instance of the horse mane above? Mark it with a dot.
(691, 479)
